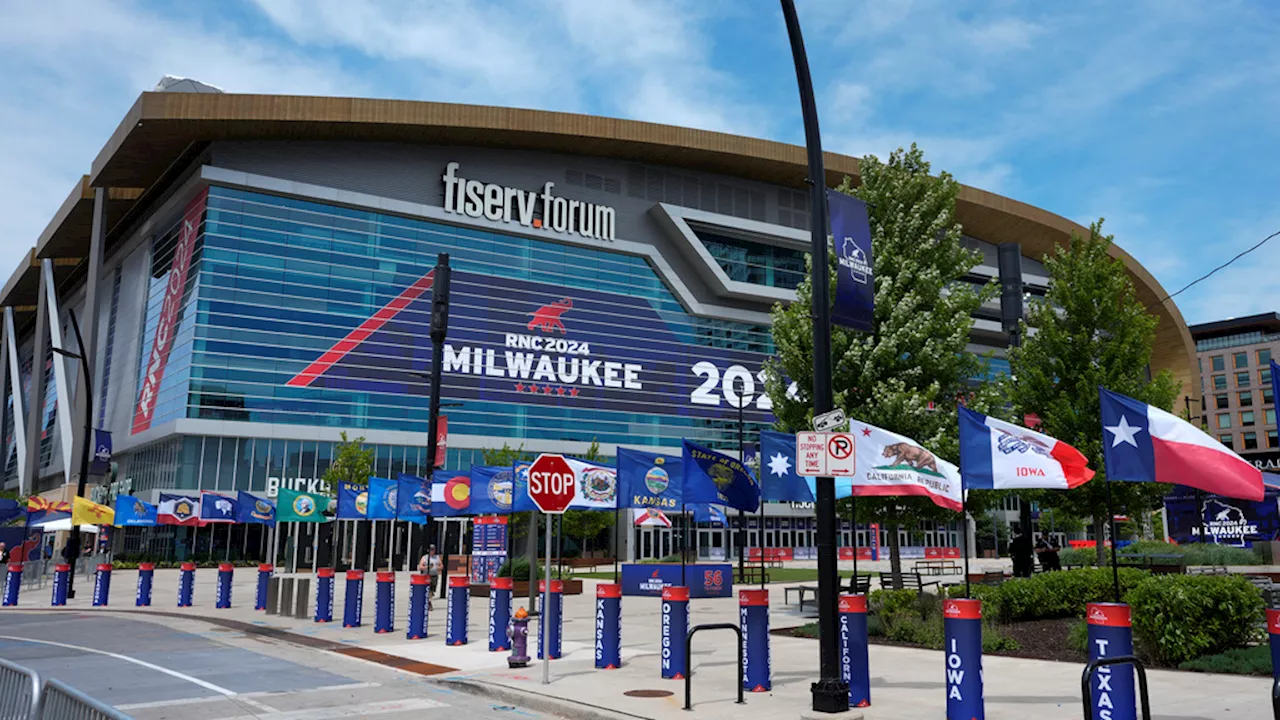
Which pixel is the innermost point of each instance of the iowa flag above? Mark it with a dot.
(88, 512)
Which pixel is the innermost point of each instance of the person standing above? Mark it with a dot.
(4, 554)
(1021, 549)
(431, 565)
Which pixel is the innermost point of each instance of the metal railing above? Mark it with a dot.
(19, 691)
(1095, 665)
(1275, 698)
(688, 660)
(24, 697)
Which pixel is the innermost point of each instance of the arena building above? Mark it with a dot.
(251, 276)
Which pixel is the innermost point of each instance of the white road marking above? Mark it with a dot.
(258, 694)
(349, 711)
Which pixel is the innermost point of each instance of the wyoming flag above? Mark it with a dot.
(88, 512)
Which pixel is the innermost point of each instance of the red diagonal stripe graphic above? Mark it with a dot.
(362, 332)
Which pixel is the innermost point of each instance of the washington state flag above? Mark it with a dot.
(294, 506)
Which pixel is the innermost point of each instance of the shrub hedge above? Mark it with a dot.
(1194, 553)
(1177, 618)
(1052, 594)
(1254, 660)
(521, 570)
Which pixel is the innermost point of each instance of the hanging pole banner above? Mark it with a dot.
(12, 584)
(61, 581)
(675, 631)
(1111, 634)
(608, 626)
(222, 598)
(384, 605)
(146, 576)
(419, 586)
(186, 583)
(102, 585)
(551, 620)
(855, 667)
(324, 595)
(962, 645)
(855, 279)
(499, 613)
(264, 576)
(455, 631)
(753, 607)
(353, 599)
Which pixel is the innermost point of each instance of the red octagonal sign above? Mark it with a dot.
(551, 483)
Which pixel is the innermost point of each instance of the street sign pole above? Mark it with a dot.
(551, 488)
(545, 615)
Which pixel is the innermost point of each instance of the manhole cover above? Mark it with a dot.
(647, 693)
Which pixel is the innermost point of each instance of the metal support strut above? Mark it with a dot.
(688, 660)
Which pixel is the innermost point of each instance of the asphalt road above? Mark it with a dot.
(176, 668)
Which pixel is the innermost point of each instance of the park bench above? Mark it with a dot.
(1265, 586)
(860, 585)
(905, 581)
(937, 567)
(751, 573)
(1158, 564)
(802, 591)
(994, 577)
(1210, 570)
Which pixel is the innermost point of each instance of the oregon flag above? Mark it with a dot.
(294, 506)
(88, 512)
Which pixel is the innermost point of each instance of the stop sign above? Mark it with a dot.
(551, 483)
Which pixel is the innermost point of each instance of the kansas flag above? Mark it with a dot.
(217, 508)
(383, 494)
(413, 500)
(717, 479)
(353, 501)
(649, 480)
(253, 509)
(132, 512)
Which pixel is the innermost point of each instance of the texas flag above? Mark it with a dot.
(996, 455)
(1141, 443)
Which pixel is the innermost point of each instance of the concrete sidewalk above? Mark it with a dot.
(907, 684)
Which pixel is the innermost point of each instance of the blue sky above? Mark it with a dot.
(1159, 116)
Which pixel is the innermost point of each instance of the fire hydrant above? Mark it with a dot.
(519, 635)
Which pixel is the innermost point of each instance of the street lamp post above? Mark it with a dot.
(439, 330)
(84, 447)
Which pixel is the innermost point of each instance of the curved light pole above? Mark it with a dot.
(84, 447)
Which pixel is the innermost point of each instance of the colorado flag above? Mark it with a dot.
(1141, 443)
(996, 455)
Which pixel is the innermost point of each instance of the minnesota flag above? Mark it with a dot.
(88, 512)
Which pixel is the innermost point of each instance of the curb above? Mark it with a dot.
(538, 702)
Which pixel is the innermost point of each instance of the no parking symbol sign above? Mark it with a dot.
(825, 454)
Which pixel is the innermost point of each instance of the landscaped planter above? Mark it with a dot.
(521, 588)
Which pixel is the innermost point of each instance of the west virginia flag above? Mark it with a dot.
(88, 512)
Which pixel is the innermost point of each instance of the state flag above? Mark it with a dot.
(383, 494)
(253, 509)
(413, 500)
(714, 478)
(87, 512)
(649, 480)
(132, 512)
(179, 510)
(778, 479)
(215, 508)
(997, 455)
(353, 501)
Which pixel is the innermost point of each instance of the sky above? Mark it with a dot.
(1158, 116)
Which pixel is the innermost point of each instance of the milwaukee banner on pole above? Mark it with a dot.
(854, 305)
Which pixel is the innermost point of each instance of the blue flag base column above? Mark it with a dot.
(962, 649)
(12, 584)
(419, 586)
(1111, 689)
(675, 631)
(499, 613)
(384, 603)
(608, 626)
(551, 621)
(102, 585)
(324, 595)
(186, 584)
(61, 583)
(222, 598)
(753, 613)
(353, 599)
(1273, 636)
(855, 666)
(146, 578)
(264, 577)
(455, 632)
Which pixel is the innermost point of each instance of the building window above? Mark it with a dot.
(1218, 363)
(1264, 357)
(1224, 420)
(1242, 379)
(1267, 396)
(1222, 401)
(1269, 416)
(1251, 441)
(1264, 376)
(1226, 441)
(1246, 399)
(1273, 440)
(1219, 382)
(1241, 360)
(1246, 418)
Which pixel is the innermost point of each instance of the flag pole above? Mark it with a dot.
(684, 538)
(760, 537)
(617, 541)
(964, 533)
(1111, 521)
(227, 555)
(315, 547)
(853, 535)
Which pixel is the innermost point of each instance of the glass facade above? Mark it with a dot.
(754, 262)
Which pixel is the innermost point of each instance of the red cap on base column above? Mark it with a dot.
(266, 567)
(146, 566)
(459, 582)
(226, 567)
(62, 568)
(1107, 614)
(325, 572)
(419, 580)
(386, 576)
(355, 574)
(608, 590)
(502, 583)
(188, 566)
(15, 567)
(962, 609)
(753, 598)
(1273, 622)
(675, 592)
(853, 604)
(105, 567)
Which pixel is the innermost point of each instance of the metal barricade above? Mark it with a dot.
(688, 660)
(59, 701)
(1093, 666)
(19, 691)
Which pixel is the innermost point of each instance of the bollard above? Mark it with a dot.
(455, 630)
(962, 645)
(324, 595)
(1111, 635)
(675, 628)
(753, 609)
(146, 576)
(855, 667)
(1273, 635)
(222, 597)
(551, 621)
(264, 579)
(12, 584)
(61, 582)
(353, 601)
(102, 585)
(384, 603)
(608, 626)
(499, 613)
(419, 587)
(186, 583)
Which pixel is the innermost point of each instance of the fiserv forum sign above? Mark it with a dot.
(528, 208)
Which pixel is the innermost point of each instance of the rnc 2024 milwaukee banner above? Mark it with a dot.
(534, 343)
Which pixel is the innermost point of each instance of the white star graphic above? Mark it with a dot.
(779, 465)
(1123, 432)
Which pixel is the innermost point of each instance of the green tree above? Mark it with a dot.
(908, 373)
(352, 463)
(1090, 332)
